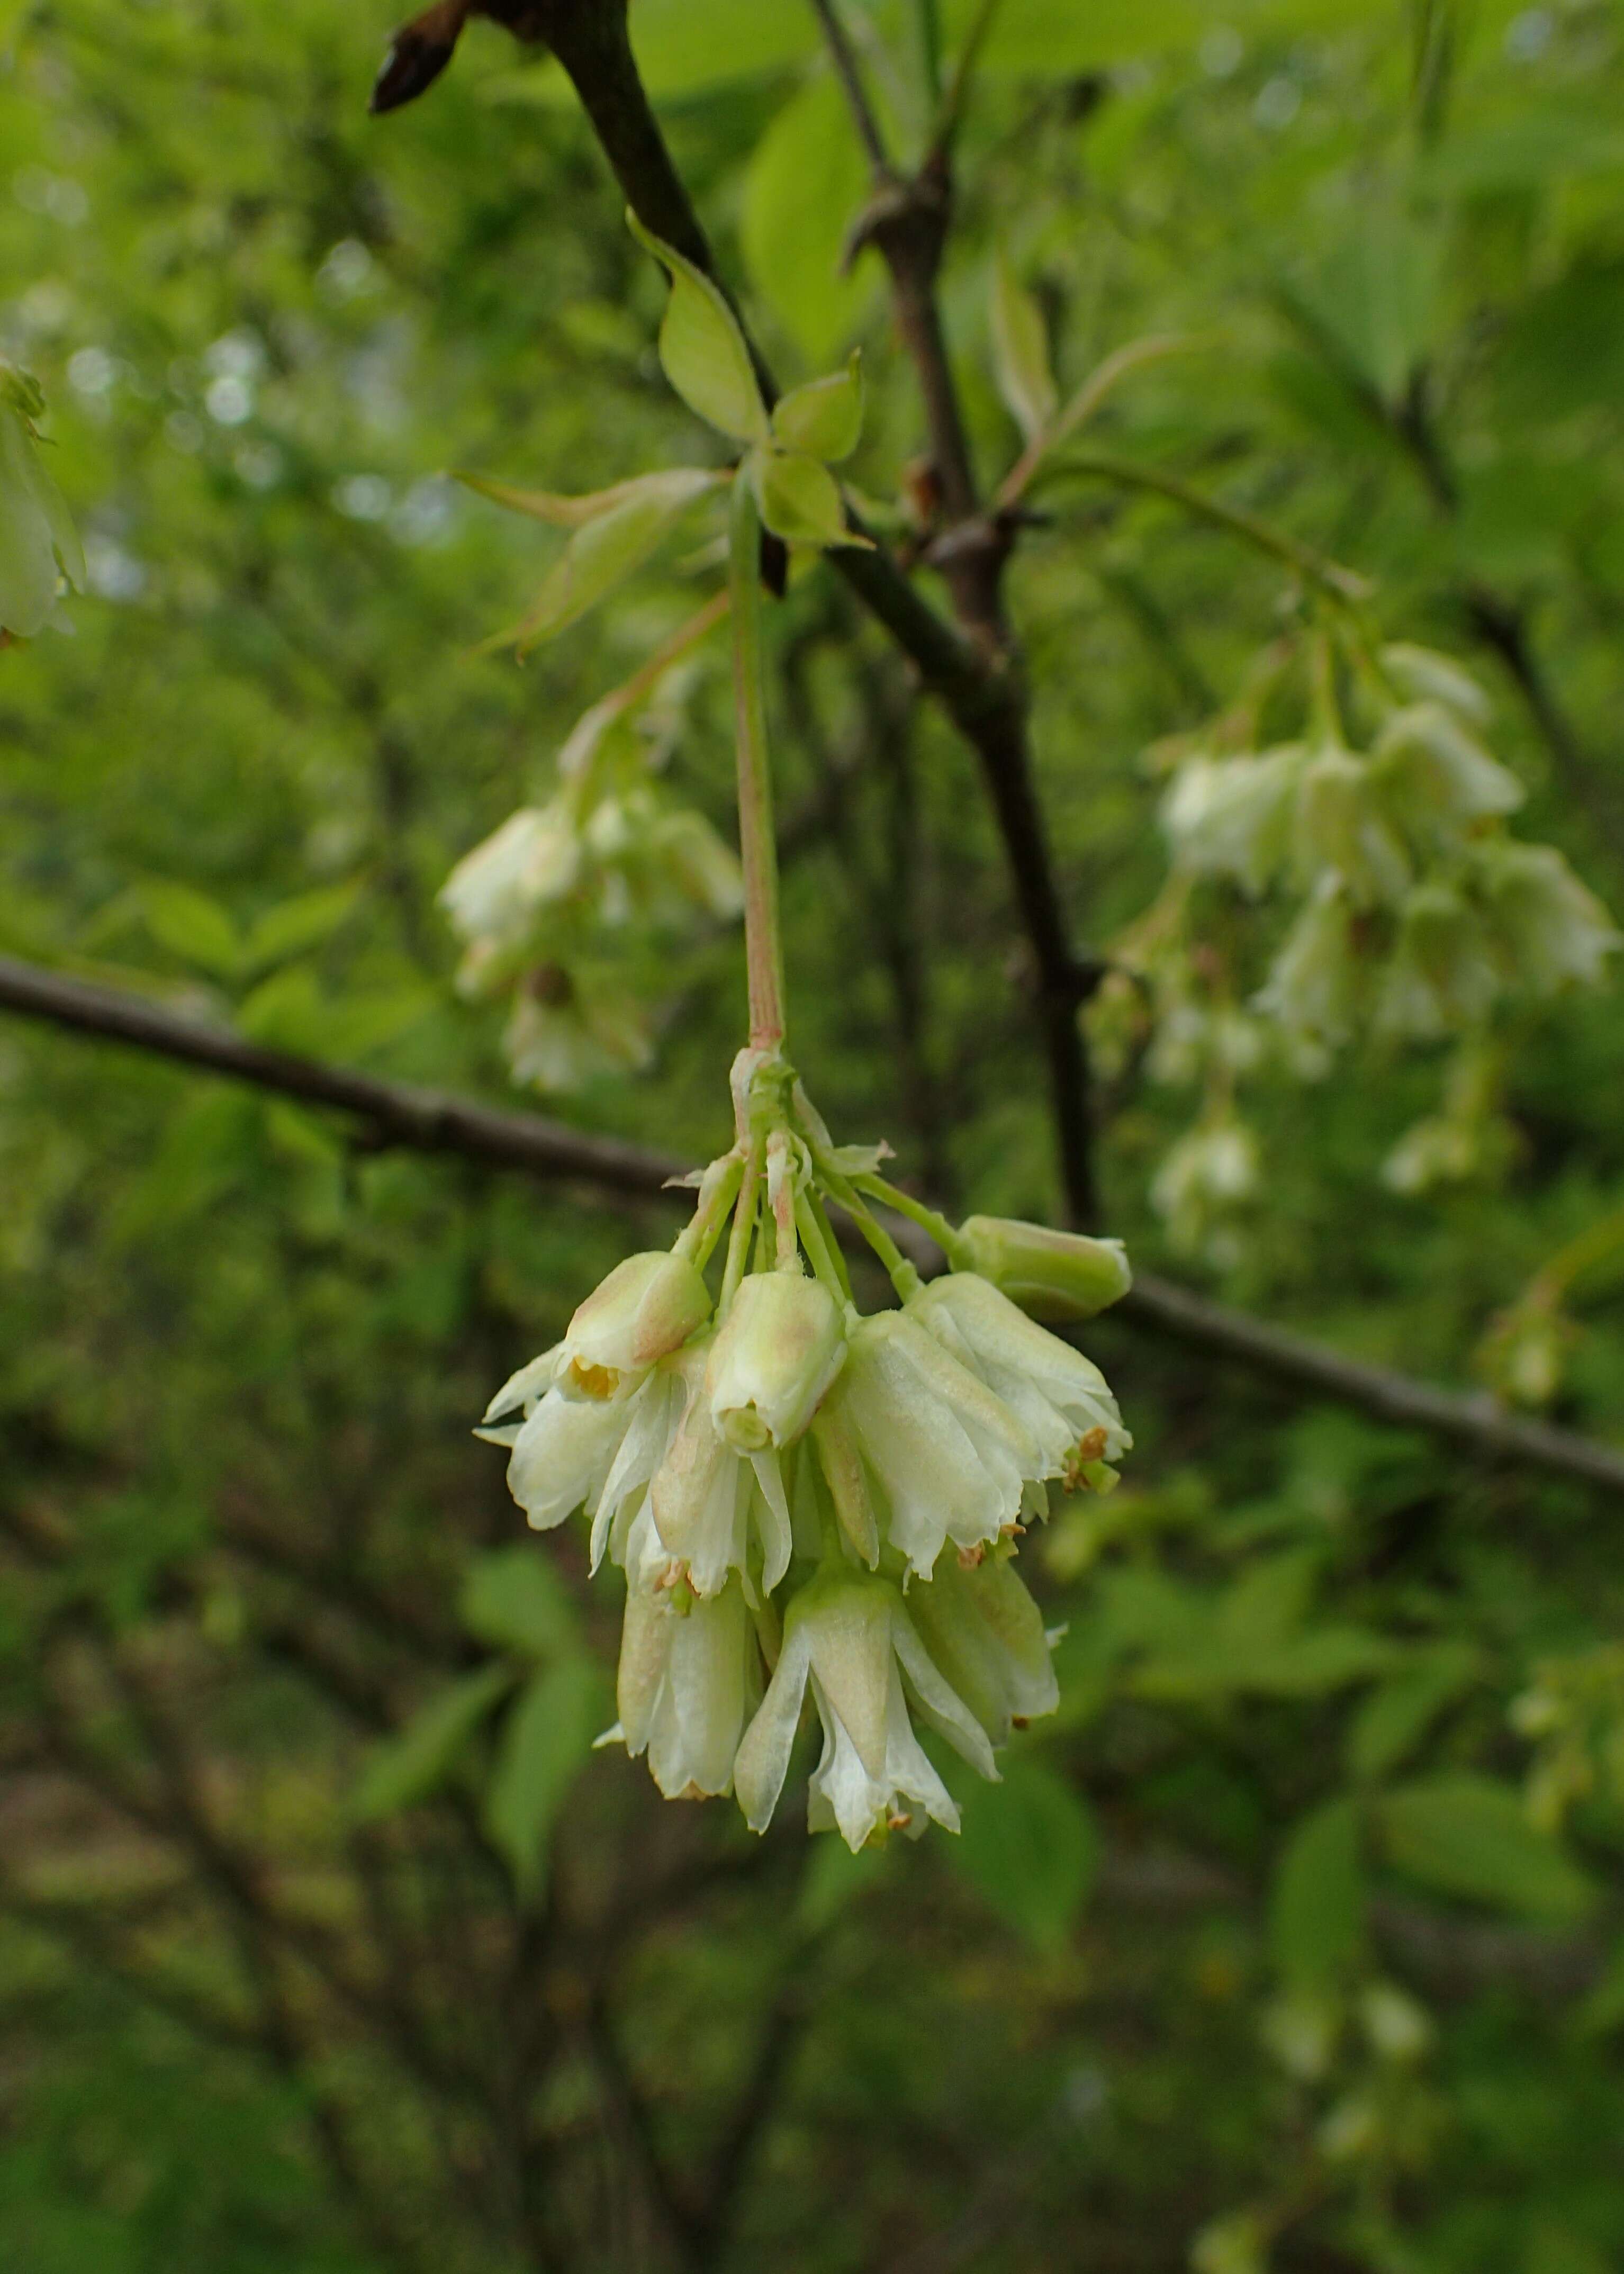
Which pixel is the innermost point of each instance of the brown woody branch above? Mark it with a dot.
(429, 1121)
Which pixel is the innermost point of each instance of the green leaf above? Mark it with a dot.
(702, 348)
(561, 510)
(514, 1600)
(806, 184)
(546, 1742)
(37, 536)
(1393, 1719)
(1030, 1847)
(193, 927)
(1316, 1911)
(681, 50)
(294, 925)
(1603, 2010)
(606, 551)
(1020, 354)
(1468, 1835)
(800, 501)
(405, 1769)
(824, 419)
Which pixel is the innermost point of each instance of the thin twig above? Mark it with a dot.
(843, 56)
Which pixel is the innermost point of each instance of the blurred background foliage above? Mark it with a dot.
(328, 1947)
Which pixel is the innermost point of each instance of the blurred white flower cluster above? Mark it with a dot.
(1403, 910)
(559, 905)
(811, 1503)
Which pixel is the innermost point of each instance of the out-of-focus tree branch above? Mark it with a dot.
(430, 1121)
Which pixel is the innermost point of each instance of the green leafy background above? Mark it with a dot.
(328, 1946)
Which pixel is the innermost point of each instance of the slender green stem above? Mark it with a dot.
(904, 1277)
(744, 1226)
(957, 95)
(764, 946)
(698, 1240)
(927, 15)
(831, 1245)
(927, 1219)
(818, 1252)
(1337, 584)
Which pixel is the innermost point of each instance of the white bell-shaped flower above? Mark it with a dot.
(690, 1673)
(774, 1354)
(1434, 768)
(717, 1511)
(944, 1457)
(1061, 1396)
(562, 1449)
(1442, 976)
(493, 892)
(1551, 928)
(1232, 816)
(985, 1633)
(1338, 827)
(851, 1638)
(1313, 985)
(648, 1307)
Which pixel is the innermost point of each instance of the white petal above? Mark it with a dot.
(772, 1518)
(645, 1446)
(701, 1709)
(761, 1762)
(908, 1768)
(645, 1647)
(941, 1705)
(562, 1455)
(844, 1796)
(524, 1388)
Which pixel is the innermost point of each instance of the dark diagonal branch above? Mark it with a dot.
(428, 1121)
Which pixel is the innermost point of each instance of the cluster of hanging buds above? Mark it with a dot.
(553, 908)
(804, 1499)
(1377, 836)
(38, 544)
(801, 1496)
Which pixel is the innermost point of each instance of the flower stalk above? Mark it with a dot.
(758, 846)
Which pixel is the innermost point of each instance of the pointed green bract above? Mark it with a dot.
(799, 499)
(824, 419)
(38, 541)
(1020, 354)
(702, 348)
(605, 551)
(563, 511)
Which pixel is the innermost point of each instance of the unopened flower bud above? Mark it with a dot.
(649, 1305)
(1055, 1275)
(774, 1354)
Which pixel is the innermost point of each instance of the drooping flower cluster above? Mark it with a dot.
(554, 908)
(1377, 835)
(808, 1501)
